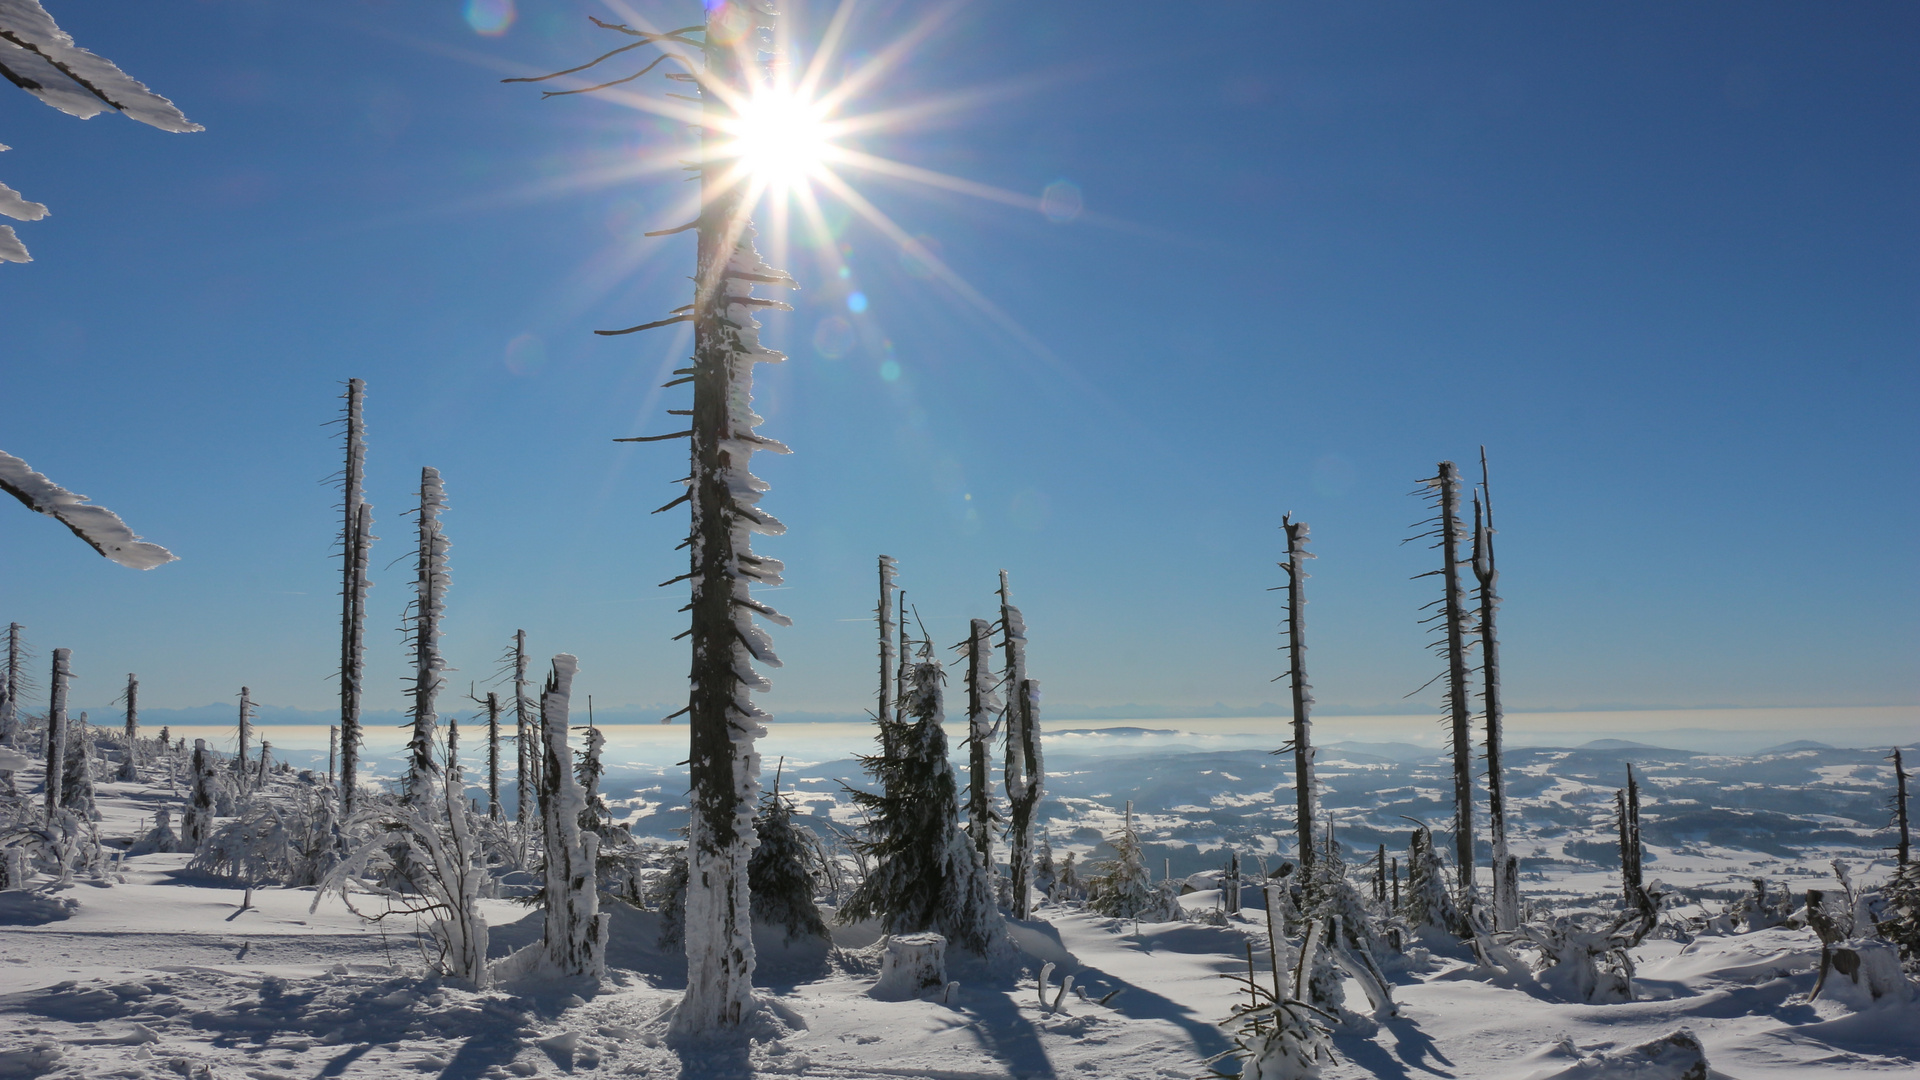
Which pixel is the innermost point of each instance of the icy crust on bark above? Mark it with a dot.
(575, 943)
(42, 59)
(430, 602)
(100, 527)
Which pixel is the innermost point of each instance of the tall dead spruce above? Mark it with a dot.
(722, 496)
(1443, 490)
(1296, 626)
(429, 604)
(1506, 868)
(982, 704)
(1025, 774)
(356, 538)
(1905, 849)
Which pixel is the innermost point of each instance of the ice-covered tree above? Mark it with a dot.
(1296, 631)
(1427, 903)
(431, 580)
(198, 823)
(785, 870)
(575, 938)
(983, 704)
(1634, 899)
(356, 542)
(526, 718)
(493, 756)
(1069, 887)
(42, 59)
(100, 527)
(56, 751)
(1454, 622)
(130, 697)
(926, 876)
(1122, 887)
(245, 729)
(1024, 773)
(1046, 876)
(1506, 868)
(76, 781)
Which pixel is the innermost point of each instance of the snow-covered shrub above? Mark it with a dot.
(161, 838)
(76, 774)
(784, 873)
(253, 848)
(1900, 919)
(200, 805)
(1069, 887)
(927, 875)
(1121, 888)
(1579, 963)
(1678, 1056)
(1279, 1041)
(1046, 877)
(55, 844)
(1427, 903)
(1762, 908)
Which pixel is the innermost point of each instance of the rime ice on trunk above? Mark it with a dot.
(723, 496)
(130, 767)
(198, 823)
(527, 740)
(982, 704)
(1024, 772)
(1506, 870)
(1444, 489)
(246, 733)
(1303, 791)
(430, 602)
(356, 538)
(575, 931)
(57, 729)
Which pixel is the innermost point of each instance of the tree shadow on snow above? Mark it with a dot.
(1412, 1047)
(1004, 1033)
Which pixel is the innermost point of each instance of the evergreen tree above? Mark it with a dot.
(1046, 876)
(1904, 845)
(927, 875)
(1427, 903)
(1069, 886)
(130, 765)
(198, 823)
(76, 783)
(784, 871)
(1122, 887)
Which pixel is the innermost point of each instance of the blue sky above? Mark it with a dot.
(1659, 258)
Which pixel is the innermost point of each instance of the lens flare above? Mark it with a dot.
(490, 17)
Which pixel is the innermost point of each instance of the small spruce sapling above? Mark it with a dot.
(1121, 889)
(130, 765)
(198, 823)
(76, 783)
(784, 872)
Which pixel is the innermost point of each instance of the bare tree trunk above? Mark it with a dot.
(1900, 807)
(430, 599)
(1506, 884)
(493, 756)
(11, 687)
(1303, 791)
(355, 537)
(246, 732)
(883, 708)
(1380, 876)
(333, 751)
(1446, 486)
(1023, 772)
(980, 706)
(524, 717)
(57, 728)
(130, 768)
(575, 936)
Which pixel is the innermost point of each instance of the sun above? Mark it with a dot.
(780, 138)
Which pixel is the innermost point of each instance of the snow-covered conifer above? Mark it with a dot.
(927, 876)
(159, 839)
(1121, 888)
(1904, 845)
(1505, 869)
(130, 765)
(1296, 628)
(527, 739)
(575, 940)
(56, 750)
(356, 542)
(588, 768)
(1046, 876)
(1024, 772)
(1427, 902)
(883, 618)
(1069, 887)
(198, 824)
(1455, 623)
(784, 873)
(429, 604)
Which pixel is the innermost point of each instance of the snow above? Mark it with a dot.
(100, 527)
(79, 83)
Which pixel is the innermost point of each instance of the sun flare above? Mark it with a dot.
(780, 138)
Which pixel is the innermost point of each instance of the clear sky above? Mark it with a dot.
(1660, 259)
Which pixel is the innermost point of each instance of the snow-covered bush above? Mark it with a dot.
(1900, 919)
(1279, 1041)
(253, 848)
(1427, 904)
(76, 774)
(159, 839)
(200, 805)
(1762, 908)
(1046, 876)
(1579, 963)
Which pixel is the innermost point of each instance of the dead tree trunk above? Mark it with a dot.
(246, 732)
(1303, 790)
(429, 603)
(981, 705)
(1024, 773)
(883, 614)
(130, 768)
(575, 937)
(1506, 871)
(333, 751)
(1444, 488)
(1900, 807)
(57, 728)
(528, 741)
(355, 538)
(11, 686)
(1627, 811)
(493, 756)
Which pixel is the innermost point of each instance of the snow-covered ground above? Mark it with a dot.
(162, 972)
